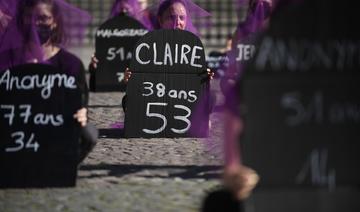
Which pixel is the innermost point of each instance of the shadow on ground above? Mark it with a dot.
(150, 171)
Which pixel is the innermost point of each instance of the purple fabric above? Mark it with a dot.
(8, 7)
(7, 15)
(75, 20)
(19, 41)
(18, 45)
(133, 11)
(193, 12)
(246, 31)
(117, 125)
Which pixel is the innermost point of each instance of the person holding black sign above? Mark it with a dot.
(176, 14)
(131, 8)
(46, 22)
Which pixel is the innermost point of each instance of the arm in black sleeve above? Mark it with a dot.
(81, 81)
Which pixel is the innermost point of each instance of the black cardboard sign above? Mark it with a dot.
(301, 101)
(39, 137)
(115, 40)
(167, 92)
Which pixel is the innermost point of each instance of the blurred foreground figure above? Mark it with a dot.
(237, 177)
(239, 180)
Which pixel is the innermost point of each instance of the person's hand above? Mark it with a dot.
(93, 63)
(81, 116)
(210, 74)
(127, 75)
(240, 179)
(4, 21)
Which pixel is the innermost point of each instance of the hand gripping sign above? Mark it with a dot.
(167, 87)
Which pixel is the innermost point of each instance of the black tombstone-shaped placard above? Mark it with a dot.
(302, 102)
(115, 40)
(39, 137)
(167, 92)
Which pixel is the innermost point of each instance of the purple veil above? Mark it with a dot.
(19, 42)
(7, 8)
(193, 12)
(76, 21)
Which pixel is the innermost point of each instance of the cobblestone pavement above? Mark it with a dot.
(131, 174)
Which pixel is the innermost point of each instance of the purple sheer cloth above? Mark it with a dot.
(76, 21)
(193, 12)
(8, 6)
(133, 9)
(7, 14)
(19, 41)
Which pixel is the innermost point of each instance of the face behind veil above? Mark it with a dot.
(193, 12)
(19, 41)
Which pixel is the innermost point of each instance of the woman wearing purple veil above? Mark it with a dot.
(176, 14)
(170, 14)
(40, 29)
(21, 32)
(131, 8)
